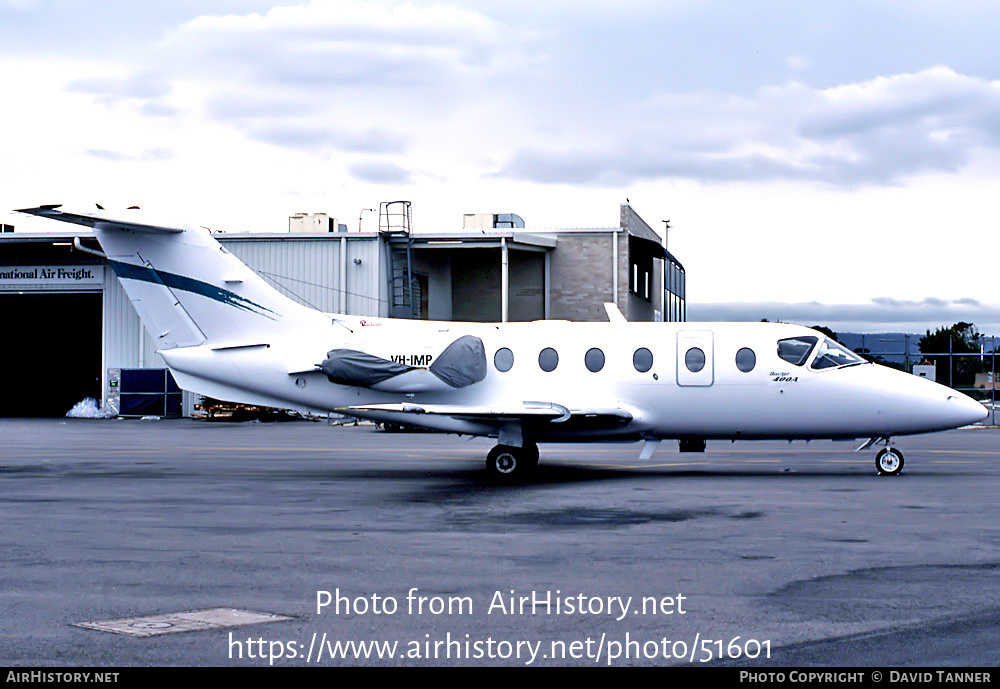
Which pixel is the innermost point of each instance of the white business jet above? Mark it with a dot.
(225, 333)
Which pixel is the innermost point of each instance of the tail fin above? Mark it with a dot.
(185, 286)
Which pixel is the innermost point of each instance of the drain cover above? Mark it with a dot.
(190, 621)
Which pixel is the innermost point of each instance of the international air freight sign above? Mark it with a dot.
(35, 277)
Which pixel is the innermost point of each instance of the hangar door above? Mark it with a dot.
(476, 285)
(50, 351)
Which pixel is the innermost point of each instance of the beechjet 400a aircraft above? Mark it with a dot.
(225, 333)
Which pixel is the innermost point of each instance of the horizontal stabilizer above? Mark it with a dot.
(97, 222)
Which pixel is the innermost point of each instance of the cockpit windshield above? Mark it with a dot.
(832, 354)
(795, 350)
(829, 353)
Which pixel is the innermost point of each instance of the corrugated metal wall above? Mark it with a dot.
(126, 345)
(309, 270)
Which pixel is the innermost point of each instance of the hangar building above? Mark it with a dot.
(72, 333)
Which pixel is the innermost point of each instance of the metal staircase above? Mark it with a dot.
(395, 220)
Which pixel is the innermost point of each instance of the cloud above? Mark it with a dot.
(551, 93)
(797, 63)
(149, 155)
(144, 87)
(876, 131)
(354, 43)
(380, 172)
(358, 76)
(314, 136)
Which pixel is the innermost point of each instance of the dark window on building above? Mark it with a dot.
(674, 291)
(641, 279)
(640, 270)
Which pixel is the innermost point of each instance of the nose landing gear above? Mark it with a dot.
(889, 461)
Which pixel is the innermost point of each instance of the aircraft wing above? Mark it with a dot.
(527, 412)
(96, 221)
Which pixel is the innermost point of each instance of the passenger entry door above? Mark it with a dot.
(695, 358)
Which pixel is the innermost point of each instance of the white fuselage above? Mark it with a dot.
(773, 399)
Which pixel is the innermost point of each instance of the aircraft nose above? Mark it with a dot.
(922, 406)
(965, 409)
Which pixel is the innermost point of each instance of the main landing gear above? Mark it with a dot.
(509, 463)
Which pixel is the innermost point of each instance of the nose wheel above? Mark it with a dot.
(889, 461)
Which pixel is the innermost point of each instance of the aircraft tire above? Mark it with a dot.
(531, 449)
(507, 463)
(889, 461)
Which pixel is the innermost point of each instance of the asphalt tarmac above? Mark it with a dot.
(394, 549)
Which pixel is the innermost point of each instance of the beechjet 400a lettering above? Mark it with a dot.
(224, 332)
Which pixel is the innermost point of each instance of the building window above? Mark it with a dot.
(641, 271)
(641, 255)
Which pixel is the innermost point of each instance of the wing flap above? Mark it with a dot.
(529, 411)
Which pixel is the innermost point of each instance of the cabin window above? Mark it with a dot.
(548, 359)
(594, 359)
(503, 360)
(694, 359)
(832, 354)
(642, 360)
(746, 360)
(795, 350)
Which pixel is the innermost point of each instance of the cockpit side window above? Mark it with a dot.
(795, 350)
(832, 354)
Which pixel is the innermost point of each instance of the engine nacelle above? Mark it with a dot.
(460, 364)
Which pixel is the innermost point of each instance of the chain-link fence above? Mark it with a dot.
(974, 373)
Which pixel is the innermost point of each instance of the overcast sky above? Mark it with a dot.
(835, 161)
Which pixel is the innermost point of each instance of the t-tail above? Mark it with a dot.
(185, 286)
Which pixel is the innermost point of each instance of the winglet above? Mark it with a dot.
(614, 313)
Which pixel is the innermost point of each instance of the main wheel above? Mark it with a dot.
(531, 454)
(889, 461)
(508, 463)
(691, 445)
